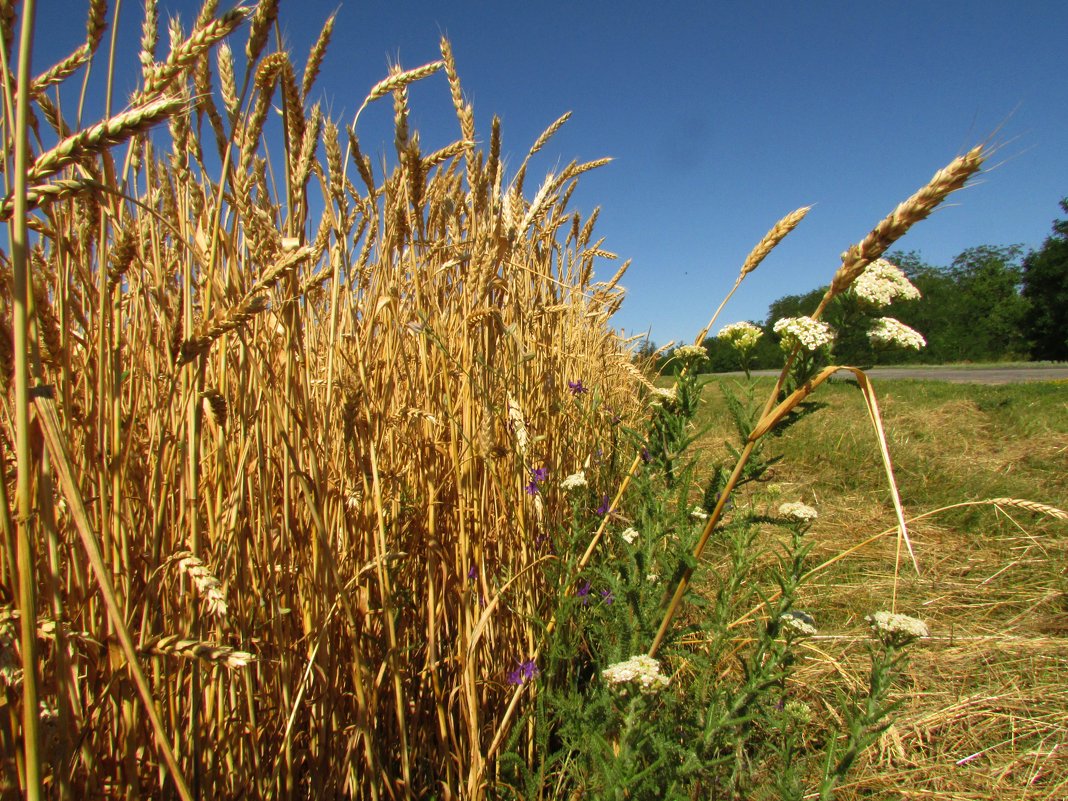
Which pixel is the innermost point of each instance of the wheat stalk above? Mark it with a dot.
(208, 586)
(44, 194)
(399, 80)
(184, 55)
(947, 180)
(771, 239)
(103, 135)
(262, 19)
(174, 645)
(1031, 506)
(316, 55)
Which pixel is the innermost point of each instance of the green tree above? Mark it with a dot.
(991, 321)
(970, 311)
(1045, 286)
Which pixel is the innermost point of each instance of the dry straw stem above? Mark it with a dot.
(68, 484)
(772, 238)
(947, 180)
(103, 135)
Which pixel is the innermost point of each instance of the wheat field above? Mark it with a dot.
(283, 407)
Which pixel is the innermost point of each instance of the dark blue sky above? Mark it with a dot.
(722, 117)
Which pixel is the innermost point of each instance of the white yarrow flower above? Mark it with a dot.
(887, 331)
(895, 625)
(574, 481)
(810, 334)
(698, 513)
(629, 534)
(800, 623)
(742, 336)
(642, 669)
(802, 513)
(882, 282)
(687, 353)
(661, 395)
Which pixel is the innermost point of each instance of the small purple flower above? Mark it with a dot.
(604, 508)
(532, 488)
(646, 456)
(584, 593)
(607, 596)
(473, 573)
(526, 670)
(540, 474)
(576, 387)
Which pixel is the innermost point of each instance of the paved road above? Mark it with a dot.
(959, 375)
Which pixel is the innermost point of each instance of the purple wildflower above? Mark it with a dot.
(576, 387)
(607, 596)
(604, 508)
(526, 670)
(532, 488)
(473, 573)
(646, 456)
(584, 593)
(540, 474)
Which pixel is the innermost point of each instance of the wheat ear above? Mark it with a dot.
(1031, 506)
(772, 238)
(184, 55)
(208, 586)
(947, 180)
(103, 135)
(173, 645)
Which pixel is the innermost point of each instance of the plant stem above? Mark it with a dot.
(24, 491)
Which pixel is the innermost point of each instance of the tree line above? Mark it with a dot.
(992, 303)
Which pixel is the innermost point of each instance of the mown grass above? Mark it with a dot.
(984, 711)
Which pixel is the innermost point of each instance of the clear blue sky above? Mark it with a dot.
(722, 117)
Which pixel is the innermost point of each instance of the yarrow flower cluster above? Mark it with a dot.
(804, 331)
(798, 712)
(882, 283)
(690, 353)
(629, 534)
(698, 513)
(662, 395)
(643, 670)
(742, 336)
(888, 331)
(889, 626)
(799, 623)
(800, 512)
(574, 481)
